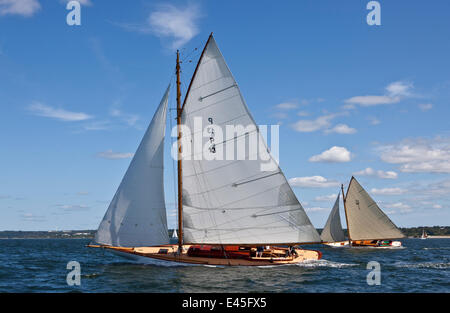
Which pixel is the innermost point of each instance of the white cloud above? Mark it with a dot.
(419, 155)
(348, 106)
(327, 198)
(400, 206)
(367, 101)
(97, 125)
(341, 129)
(286, 106)
(280, 115)
(302, 113)
(173, 22)
(388, 191)
(30, 217)
(109, 154)
(73, 207)
(25, 8)
(394, 93)
(322, 122)
(379, 173)
(334, 154)
(47, 111)
(128, 118)
(425, 106)
(313, 182)
(399, 88)
(374, 121)
(82, 2)
(316, 209)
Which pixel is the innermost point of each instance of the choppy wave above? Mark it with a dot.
(440, 248)
(436, 265)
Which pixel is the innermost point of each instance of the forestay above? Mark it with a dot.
(137, 213)
(233, 201)
(365, 219)
(333, 232)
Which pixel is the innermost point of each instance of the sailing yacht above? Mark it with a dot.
(332, 234)
(367, 224)
(230, 212)
(424, 234)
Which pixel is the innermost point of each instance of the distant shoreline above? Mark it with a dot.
(433, 232)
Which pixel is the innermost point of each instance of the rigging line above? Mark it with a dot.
(263, 208)
(233, 221)
(293, 224)
(294, 210)
(191, 52)
(216, 92)
(252, 180)
(211, 81)
(237, 219)
(210, 105)
(220, 186)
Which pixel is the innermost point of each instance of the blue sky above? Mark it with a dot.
(350, 98)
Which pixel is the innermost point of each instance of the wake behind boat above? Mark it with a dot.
(230, 211)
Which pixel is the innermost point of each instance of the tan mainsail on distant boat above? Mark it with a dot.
(226, 207)
(365, 220)
(333, 232)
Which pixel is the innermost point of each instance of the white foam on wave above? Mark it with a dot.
(324, 263)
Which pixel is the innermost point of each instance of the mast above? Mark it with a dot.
(346, 218)
(180, 193)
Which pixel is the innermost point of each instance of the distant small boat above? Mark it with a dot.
(174, 234)
(368, 226)
(424, 234)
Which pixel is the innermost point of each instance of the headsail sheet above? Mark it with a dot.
(333, 232)
(137, 213)
(233, 201)
(365, 219)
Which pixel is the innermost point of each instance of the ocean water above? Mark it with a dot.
(40, 265)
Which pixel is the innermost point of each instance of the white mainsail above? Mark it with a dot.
(333, 232)
(365, 219)
(234, 201)
(137, 213)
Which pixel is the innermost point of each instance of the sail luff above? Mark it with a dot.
(233, 201)
(136, 215)
(365, 219)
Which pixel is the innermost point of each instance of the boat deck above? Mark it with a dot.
(274, 256)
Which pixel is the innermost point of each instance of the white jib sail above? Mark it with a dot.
(365, 219)
(233, 201)
(137, 213)
(333, 232)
